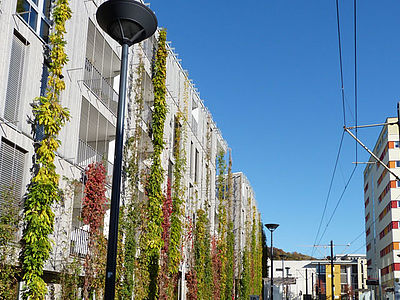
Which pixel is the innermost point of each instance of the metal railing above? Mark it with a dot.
(99, 85)
(79, 242)
(88, 155)
(147, 114)
(194, 126)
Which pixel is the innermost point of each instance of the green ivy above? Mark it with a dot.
(131, 212)
(43, 190)
(245, 275)
(177, 200)
(202, 255)
(152, 238)
(230, 237)
(9, 221)
(222, 221)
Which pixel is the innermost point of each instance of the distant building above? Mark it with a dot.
(295, 278)
(381, 199)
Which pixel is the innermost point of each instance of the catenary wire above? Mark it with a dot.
(340, 61)
(355, 76)
(329, 191)
(338, 202)
(344, 117)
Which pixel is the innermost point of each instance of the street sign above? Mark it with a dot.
(372, 282)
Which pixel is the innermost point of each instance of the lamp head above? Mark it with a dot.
(126, 21)
(271, 227)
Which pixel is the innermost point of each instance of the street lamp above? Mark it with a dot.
(272, 227)
(128, 22)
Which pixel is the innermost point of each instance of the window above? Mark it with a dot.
(12, 160)
(397, 144)
(196, 165)
(36, 14)
(15, 78)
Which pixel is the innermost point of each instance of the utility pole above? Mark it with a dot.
(306, 282)
(332, 276)
(319, 281)
(312, 285)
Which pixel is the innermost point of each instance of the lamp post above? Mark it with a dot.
(128, 22)
(271, 228)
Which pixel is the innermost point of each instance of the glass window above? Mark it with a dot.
(36, 13)
(396, 144)
(397, 164)
(46, 8)
(33, 15)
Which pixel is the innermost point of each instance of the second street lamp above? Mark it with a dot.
(128, 22)
(271, 228)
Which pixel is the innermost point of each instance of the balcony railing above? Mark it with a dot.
(99, 85)
(79, 242)
(88, 155)
(194, 126)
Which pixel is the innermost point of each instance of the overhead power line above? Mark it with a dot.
(340, 61)
(329, 190)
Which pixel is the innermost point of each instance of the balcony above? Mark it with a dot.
(194, 126)
(88, 155)
(79, 242)
(100, 86)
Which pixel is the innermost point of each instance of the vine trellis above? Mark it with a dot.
(43, 190)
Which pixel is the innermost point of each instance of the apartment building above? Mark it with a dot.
(91, 77)
(295, 278)
(381, 195)
(244, 205)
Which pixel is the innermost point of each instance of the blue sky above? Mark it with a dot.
(269, 73)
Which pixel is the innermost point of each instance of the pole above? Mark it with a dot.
(312, 285)
(116, 181)
(306, 282)
(287, 285)
(332, 276)
(319, 281)
(272, 270)
(372, 154)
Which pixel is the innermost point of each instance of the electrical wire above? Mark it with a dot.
(355, 76)
(338, 202)
(340, 61)
(344, 115)
(329, 191)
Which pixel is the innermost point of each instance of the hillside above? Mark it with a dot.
(280, 254)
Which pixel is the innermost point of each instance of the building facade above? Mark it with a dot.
(381, 195)
(294, 279)
(91, 77)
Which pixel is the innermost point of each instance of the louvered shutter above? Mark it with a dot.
(14, 85)
(12, 160)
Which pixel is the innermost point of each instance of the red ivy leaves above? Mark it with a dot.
(94, 202)
(191, 282)
(163, 277)
(217, 268)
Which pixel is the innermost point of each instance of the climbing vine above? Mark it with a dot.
(202, 256)
(163, 276)
(153, 242)
(93, 210)
(222, 223)
(230, 237)
(9, 221)
(191, 283)
(174, 253)
(132, 212)
(43, 190)
(253, 254)
(245, 277)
